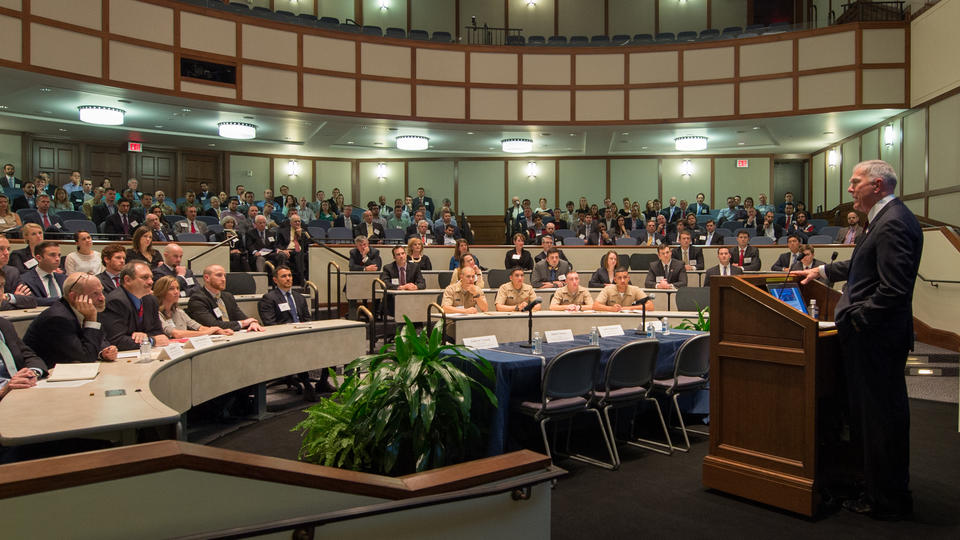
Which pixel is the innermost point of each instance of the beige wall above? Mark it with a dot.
(935, 66)
(436, 178)
(251, 171)
(481, 187)
(335, 174)
(679, 17)
(634, 178)
(301, 184)
(395, 14)
(10, 148)
(581, 178)
(371, 186)
(746, 182)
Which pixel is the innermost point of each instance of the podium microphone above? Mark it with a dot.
(643, 316)
(529, 309)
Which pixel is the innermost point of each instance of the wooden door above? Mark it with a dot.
(157, 170)
(56, 159)
(201, 168)
(107, 162)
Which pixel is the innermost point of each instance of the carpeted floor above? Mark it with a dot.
(655, 496)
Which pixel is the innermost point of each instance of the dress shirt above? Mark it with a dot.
(851, 235)
(48, 278)
(724, 270)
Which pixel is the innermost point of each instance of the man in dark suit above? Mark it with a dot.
(347, 218)
(190, 225)
(211, 305)
(45, 283)
(672, 212)
(68, 330)
(172, 255)
(105, 209)
(139, 211)
(293, 242)
(791, 257)
(401, 274)
(550, 272)
(363, 257)
(122, 222)
(370, 229)
(667, 272)
(710, 235)
(650, 237)
(28, 199)
(588, 231)
(422, 200)
(9, 178)
(744, 255)
(262, 245)
(788, 220)
(724, 268)
(853, 233)
(16, 294)
(50, 222)
(114, 257)
(27, 366)
(132, 314)
(807, 261)
(769, 228)
(422, 231)
(699, 208)
(691, 257)
(875, 324)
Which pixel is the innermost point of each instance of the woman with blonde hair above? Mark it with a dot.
(8, 219)
(415, 253)
(176, 323)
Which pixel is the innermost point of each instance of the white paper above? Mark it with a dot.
(128, 354)
(558, 336)
(610, 330)
(74, 372)
(284, 306)
(481, 342)
(264, 252)
(62, 384)
(746, 260)
(826, 325)
(199, 341)
(516, 256)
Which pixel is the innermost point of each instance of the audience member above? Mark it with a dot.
(462, 247)
(9, 179)
(27, 366)
(293, 243)
(190, 225)
(422, 200)
(16, 295)
(89, 204)
(723, 268)
(85, 259)
(170, 266)
(463, 295)
(175, 322)
(571, 297)
(467, 259)
(262, 245)
(28, 199)
(621, 295)
(132, 314)
(45, 279)
(769, 227)
(786, 221)
(690, 256)
(699, 208)
(44, 217)
(649, 236)
(113, 257)
(142, 248)
(24, 259)
(190, 201)
(211, 305)
(762, 206)
(550, 272)
(791, 257)
(746, 256)
(604, 275)
(548, 241)
(518, 256)
(8, 218)
(666, 273)
(808, 261)
(121, 222)
(402, 274)
(853, 233)
(397, 220)
(416, 255)
(514, 295)
(363, 257)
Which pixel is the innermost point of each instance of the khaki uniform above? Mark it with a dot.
(564, 297)
(455, 296)
(509, 296)
(610, 296)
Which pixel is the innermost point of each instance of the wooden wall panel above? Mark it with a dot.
(55, 158)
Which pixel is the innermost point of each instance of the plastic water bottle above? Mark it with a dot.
(145, 349)
(594, 336)
(665, 326)
(651, 330)
(537, 343)
(813, 309)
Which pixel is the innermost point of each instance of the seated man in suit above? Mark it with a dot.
(132, 314)
(282, 305)
(106, 208)
(808, 261)
(571, 297)
(346, 218)
(650, 237)
(68, 330)
(724, 268)
(171, 266)
(550, 272)
(370, 229)
(546, 242)
(363, 257)
(791, 257)
(788, 220)
(293, 242)
(140, 210)
(621, 295)
(45, 279)
(401, 274)
(422, 231)
(262, 245)
(769, 228)
(114, 257)
(211, 305)
(666, 273)
(690, 256)
(853, 233)
(156, 226)
(464, 296)
(26, 366)
(710, 235)
(122, 222)
(744, 255)
(588, 231)
(43, 217)
(515, 295)
(28, 199)
(16, 294)
(190, 225)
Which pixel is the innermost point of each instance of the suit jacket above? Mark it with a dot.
(339, 222)
(253, 243)
(777, 230)
(183, 226)
(542, 255)
(357, 263)
(699, 209)
(18, 259)
(842, 235)
(642, 238)
(283, 238)
(880, 276)
(541, 273)
(695, 254)
(101, 213)
(716, 240)
(167, 234)
(361, 230)
(72, 342)
(114, 225)
(21, 202)
(56, 223)
(201, 306)
(715, 271)
(23, 355)
(107, 282)
(783, 261)
(12, 182)
(32, 280)
(392, 271)
(601, 278)
(12, 279)
(269, 308)
(186, 289)
(676, 274)
(120, 319)
(525, 261)
(427, 202)
(816, 262)
(677, 214)
(431, 239)
(751, 253)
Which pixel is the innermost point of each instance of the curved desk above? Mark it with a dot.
(510, 326)
(158, 392)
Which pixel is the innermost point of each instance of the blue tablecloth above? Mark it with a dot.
(518, 374)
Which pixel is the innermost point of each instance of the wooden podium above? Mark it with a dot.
(771, 371)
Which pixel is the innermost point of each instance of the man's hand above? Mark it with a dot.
(160, 340)
(138, 337)
(521, 305)
(408, 287)
(86, 308)
(22, 290)
(808, 275)
(572, 307)
(285, 252)
(471, 310)
(25, 378)
(690, 267)
(616, 307)
(664, 285)
(109, 354)
(255, 327)
(370, 268)
(181, 270)
(222, 331)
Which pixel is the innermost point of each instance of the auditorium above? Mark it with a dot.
(476, 268)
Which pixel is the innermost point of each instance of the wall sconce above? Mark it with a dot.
(833, 159)
(682, 2)
(384, 5)
(686, 168)
(532, 3)
(381, 172)
(293, 168)
(532, 170)
(889, 136)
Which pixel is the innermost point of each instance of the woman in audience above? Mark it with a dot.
(238, 262)
(325, 213)
(604, 275)
(290, 203)
(106, 184)
(620, 229)
(650, 213)
(542, 208)
(462, 247)
(415, 254)
(584, 208)
(8, 219)
(339, 201)
(142, 249)
(60, 201)
(518, 256)
(224, 200)
(468, 260)
(84, 259)
(176, 323)
(595, 212)
(33, 234)
(157, 210)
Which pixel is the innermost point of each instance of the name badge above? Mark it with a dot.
(270, 239)
(132, 224)
(189, 281)
(562, 277)
(558, 336)
(217, 312)
(364, 258)
(199, 341)
(58, 226)
(610, 330)
(746, 260)
(394, 281)
(284, 307)
(183, 293)
(516, 256)
(660, 279)
(703, 237)
(30, 263)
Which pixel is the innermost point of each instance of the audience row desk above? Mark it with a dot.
(127, 395)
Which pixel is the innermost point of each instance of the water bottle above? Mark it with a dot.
(537, 343)
(651, 330)
(665, 326)
(594, 336)
(813, 309)
(145, 351)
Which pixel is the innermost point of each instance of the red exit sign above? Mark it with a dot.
(138, 147)
(743, 163)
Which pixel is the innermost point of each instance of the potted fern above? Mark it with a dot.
(404, 410)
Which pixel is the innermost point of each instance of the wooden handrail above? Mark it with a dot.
(51, 474)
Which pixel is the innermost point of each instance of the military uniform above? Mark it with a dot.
(509, 296)
(610, 296)
(564, 297)
(454, 295)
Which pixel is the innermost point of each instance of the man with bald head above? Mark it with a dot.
(172, 257)
(211, 305)
(152, 222)
(369, 228)
(853, 233)
(73, 325)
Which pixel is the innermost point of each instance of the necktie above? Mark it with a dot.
(293, 307)
(140, 313)
(686, 257)
(52, 291)
(193, 226)
(851, 234)
(8, 360)
(296, 241)
(116, 281)
(46, 221)
(423, 239)
(403, 275)
(741, 256)
(126, 225)
(263, 238)
(553, 274)
(723, 270)
(163, 237)
(223, 309)
(793, 260)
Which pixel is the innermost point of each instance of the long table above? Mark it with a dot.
(159, 392)
(511, 326)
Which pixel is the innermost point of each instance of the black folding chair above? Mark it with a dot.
(691, 372)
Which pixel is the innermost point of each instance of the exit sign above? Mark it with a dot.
(743, 163)
(138, 147)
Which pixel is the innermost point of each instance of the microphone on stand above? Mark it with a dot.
(529, 309)
(643, 317)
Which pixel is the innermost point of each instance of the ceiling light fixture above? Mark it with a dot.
(516, 146)
(690, 143)
(412, 142)
(237, 130)
(104, 116)
(889, 136)
(686, 168)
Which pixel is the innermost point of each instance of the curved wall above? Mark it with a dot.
(139, 44)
